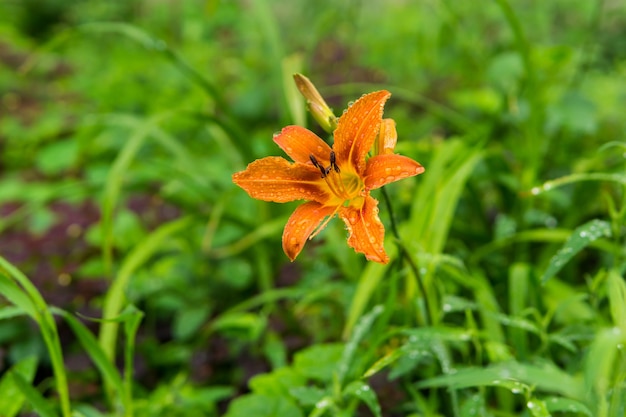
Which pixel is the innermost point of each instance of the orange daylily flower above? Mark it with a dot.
(335, 180)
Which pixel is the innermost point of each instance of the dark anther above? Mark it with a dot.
(333, 162)
(314, 161)
(319, 166)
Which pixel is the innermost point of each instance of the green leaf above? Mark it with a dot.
(319, 361)
(579, 239)
(57, 156)
(365, 393)
(11, 398)
(262, 406)
(566, 405)
(308, 396)
(538, 408)
(189, 320)
(277, 383)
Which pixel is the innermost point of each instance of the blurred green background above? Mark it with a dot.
(122, 121)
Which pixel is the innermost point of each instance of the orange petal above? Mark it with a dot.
(366, 231)
(276, 179)
(387, 137)
(357, 129)
(383, 169)
(299, 143)
(301, 224)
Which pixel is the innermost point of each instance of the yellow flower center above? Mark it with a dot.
(344, 185)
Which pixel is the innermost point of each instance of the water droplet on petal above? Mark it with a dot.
(293, 241)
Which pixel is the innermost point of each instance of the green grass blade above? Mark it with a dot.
(519, 283)
(438, 194)
(365, 393)
(360, 331)
(616, 289)
(112, 188)
(33, 304)
(90, 344)
(131, 325)
(371, 277)
(267, 229)
(573, 178)
(11, 398)
(513, 375)
(579, 239)
(601, 363)
(115, 297)
(33, 397)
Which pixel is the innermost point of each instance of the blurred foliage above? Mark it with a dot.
(122, 121)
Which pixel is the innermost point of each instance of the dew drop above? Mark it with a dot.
(372, 239)
(264, 177)
(391, 178)
(293, 240)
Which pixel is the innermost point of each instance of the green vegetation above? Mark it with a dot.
(137, 280)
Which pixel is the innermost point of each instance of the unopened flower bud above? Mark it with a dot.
(322, 114)
(387, 137)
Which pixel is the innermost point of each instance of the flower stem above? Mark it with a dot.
(404, 252)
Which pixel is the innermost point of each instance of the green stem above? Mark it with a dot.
(404, 253)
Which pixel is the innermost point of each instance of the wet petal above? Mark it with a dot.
(357, 129)
(366, 231)
(301, 224)
(299, 143)
(276, 179)
(383, 169)
(387, 137)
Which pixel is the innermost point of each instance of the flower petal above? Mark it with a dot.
(299, 143)
(301, 224)
(366, 231)
(276, 179)
(383, 169)
(357, 129)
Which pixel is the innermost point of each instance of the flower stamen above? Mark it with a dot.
(319, 166)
